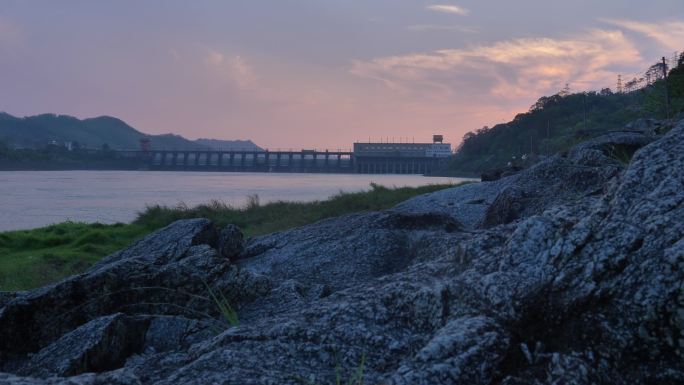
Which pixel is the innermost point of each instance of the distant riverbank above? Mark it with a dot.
(37, 257)
(38, 198)
(59, 158)
(48, 165)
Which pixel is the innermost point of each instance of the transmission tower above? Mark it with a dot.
(619, 84)
(566, 89)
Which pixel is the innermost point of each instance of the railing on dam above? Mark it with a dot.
(269, 161)
(282, 161)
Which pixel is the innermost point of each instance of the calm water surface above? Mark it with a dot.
(31, 199)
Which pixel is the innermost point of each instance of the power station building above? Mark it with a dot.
(400, 158)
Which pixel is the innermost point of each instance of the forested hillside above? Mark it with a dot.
(37, 131)
(555, 123)
(229, 144)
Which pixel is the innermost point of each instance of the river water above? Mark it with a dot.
(30, 199)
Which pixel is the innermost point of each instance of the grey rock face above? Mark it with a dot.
(6, 296)
(350, 250)
(116, 377)
(231, 242)
(650, 126)
(583, 173)
(466, 204)
(549, 183)
(577, 279)
(167, 333)
(613, 145)
(101, 344)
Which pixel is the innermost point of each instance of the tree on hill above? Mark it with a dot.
(675, 85)
(555, 123)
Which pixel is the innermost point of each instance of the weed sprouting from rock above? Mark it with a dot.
(223, 305)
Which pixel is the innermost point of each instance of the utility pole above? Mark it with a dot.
(667, 96)
(584, 106)
(531, 138)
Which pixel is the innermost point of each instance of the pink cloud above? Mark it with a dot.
(234, 68)
(448, 8)
(525, 67)
(669, 34)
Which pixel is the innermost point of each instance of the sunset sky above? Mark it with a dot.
(319, 73)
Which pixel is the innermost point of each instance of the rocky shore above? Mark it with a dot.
(569, 272)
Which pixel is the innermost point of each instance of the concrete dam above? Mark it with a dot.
(365, 158)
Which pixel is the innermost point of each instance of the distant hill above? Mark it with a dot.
(37, 131)
(555, 123)
(217, 144)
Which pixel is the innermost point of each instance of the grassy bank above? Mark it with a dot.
(37, 257)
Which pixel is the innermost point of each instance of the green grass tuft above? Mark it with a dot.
(623, 154)
(356, 378)
(223, 305)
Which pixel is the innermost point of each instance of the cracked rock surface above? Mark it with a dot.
(570, 272)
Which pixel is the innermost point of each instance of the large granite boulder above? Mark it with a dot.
(466, 204)
(169, 272)
(616, 145)
(584, 283)
(549, 183)
(583, 172)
